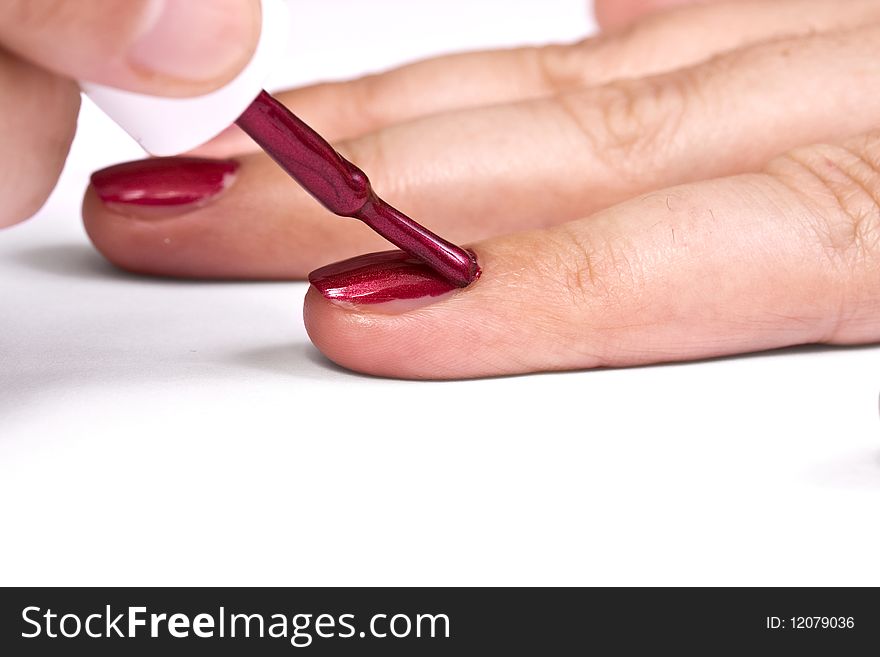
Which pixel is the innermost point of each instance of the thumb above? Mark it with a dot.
(720, 267)
(159, 47)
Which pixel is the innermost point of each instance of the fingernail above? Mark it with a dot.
(196, 40)
(163, 185)
(393, 279)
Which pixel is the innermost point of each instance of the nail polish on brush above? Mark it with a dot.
(344, 189)
(167, 126)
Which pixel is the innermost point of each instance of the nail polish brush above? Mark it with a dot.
(169, 126)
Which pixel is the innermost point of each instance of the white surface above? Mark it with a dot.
(156, 432)
(169, 126)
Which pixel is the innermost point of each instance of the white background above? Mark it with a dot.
(159, 432)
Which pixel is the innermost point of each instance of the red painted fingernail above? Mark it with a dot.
(170, 185)
(380, 278)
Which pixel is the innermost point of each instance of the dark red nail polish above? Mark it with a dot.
(380, 278)
(164, 182)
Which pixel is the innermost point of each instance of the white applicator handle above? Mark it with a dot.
(168, 126)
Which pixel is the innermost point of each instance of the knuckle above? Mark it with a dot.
(558, 67)
(629, 124)
(841, 186)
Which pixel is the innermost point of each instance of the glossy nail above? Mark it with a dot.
(382, 278)
(170, 184)
(196, 41)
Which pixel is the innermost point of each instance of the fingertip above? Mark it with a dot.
(109, 234)
(427, 341)
(169, 247)
(159, 216)
(355, 340)
(459, 333)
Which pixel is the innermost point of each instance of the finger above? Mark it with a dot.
(163, 47)
(342, 110)
(693, 32)
(469, 175)
(614, 14)
(733, 265)
(37, 124)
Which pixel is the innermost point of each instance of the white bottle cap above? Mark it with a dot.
(168, 126)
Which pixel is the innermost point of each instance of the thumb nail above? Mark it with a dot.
(196, 40)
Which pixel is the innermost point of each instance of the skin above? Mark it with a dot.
(697, 181)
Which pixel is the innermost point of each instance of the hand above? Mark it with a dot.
(160, 47)
(647, 195)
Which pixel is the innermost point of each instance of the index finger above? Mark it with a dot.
(747, 263)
